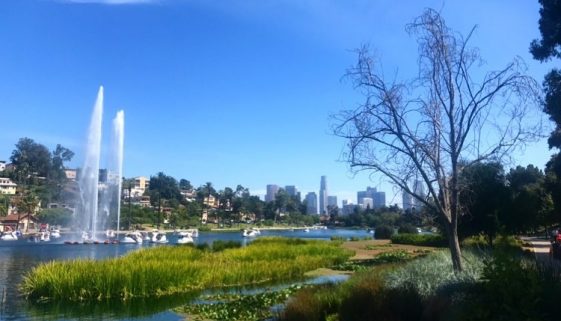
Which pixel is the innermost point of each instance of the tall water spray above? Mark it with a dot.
(89, 176)
(118, 145)
(100, 199)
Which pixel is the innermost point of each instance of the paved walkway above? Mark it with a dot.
(540, 247)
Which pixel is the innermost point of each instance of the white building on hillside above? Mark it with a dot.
(7, 187)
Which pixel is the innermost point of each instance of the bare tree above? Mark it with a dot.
(441, 121)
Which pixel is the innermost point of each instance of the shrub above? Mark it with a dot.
(434, 271)
(369, 299)
(407, 229)
(502, 243)
(204, 228)
(312, 304)
(515, 289)
(383, 232)
(436, 240)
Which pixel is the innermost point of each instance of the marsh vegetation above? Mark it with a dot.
(175, 270)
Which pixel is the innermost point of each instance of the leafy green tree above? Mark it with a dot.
(40, 169)
(531, 206)
(549, 46)
(483, 199)
(164, 187)
(141, 215)
(56, 178)
(253, 204)
(270, 211)
(282, 199)
(242, 191)
(302, 219)
(163, 190)
(31, 160)
(225, 198)
(355, 219)
(194, 209)
(205, 191)
(544, 49)
(55, 216)
(185, 184)
(385, 218)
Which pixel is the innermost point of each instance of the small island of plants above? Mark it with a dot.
(175, 270)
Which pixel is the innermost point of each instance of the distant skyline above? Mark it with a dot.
(228, 92)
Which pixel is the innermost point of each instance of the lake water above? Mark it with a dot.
(17, 257)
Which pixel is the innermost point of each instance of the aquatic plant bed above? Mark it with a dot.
(171, 270)
(230, 306)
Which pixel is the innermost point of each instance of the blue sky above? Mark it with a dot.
(231, 92)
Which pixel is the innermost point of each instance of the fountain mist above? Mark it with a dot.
(101, 200)
(118, 145)
(89, 176)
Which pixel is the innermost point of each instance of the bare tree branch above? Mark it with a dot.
(440, 122)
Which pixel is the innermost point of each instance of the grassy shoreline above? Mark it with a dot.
(175, 270)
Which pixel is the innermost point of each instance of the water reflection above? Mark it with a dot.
(109, 309)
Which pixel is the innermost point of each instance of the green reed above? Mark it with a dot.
(178, 269)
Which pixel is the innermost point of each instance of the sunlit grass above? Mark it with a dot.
(173, 270)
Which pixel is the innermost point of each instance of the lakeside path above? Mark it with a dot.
(540, 246)
(367, 249)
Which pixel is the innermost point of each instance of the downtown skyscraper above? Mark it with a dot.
(371, 197)
(272, 191)
(311, 203)
(323, 195)
(410, 202)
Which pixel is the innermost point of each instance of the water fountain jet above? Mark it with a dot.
(97, 204)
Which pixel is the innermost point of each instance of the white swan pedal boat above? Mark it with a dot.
(185, 238)
(251, 232)
(132, 238)
(9, 236)
(159, 237)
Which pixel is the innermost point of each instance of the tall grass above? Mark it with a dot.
(409, 291)
(428, 274)
(494, 285)
(173, 270)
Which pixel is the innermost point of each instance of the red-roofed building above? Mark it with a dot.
(27, 223)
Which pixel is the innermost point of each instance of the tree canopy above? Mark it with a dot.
(165, 187)
(36, 167)
(549, 46)
(484, 196)
(30, 159)
(544, 49)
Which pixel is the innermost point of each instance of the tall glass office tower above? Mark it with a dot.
(323, 195)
